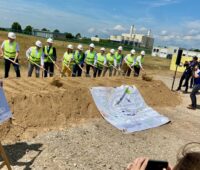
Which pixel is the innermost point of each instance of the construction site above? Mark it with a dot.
(56, 124)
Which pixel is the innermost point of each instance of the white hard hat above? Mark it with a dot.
(50, 40)
(142, 52)
(80, 47)
(132, 51)
(102, 49)
(92, 45)
(70, 47)
(38, 44)
(11, 35)
(120, 48)
(112, 51)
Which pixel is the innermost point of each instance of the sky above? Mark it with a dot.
(172, 22)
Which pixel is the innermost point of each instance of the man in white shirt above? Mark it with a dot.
(35, 57)
(10, 52)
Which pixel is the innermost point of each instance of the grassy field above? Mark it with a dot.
(26, 41)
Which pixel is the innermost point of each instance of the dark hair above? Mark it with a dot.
(189, 157)
(195, 58)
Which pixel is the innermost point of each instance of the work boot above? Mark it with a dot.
(178, 89)
(185, 92)
(191, 107)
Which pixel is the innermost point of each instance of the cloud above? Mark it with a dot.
(119, 28)
(192, 38)
(164, 3)
(91, 30)
(193, 32)
(163, 33)
(159, 3)
(195, 24)
(143, 29)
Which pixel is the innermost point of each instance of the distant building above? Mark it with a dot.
(164, 52)
(191, 53)
(169, 52)
(139, 40)
(96, 39)
(59, 36)
(44, 34)
(48, 34)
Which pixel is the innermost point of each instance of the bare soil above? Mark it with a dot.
(52, 104)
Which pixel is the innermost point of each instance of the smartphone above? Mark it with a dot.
(156, 165)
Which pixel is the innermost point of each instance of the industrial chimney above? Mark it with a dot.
(149, 33)
(132, 31)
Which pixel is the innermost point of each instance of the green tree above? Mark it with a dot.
(69, 35)
(56, 31)
(78, 36)
(44, 29)
(96, 36)
(16, 27)
(196, 50)
(28, 30)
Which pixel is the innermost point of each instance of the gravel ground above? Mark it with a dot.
(95, 144)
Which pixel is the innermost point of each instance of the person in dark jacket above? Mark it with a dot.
(195, 89)
(79, 57)
(193, 63)
(49, 58)
(185, 76)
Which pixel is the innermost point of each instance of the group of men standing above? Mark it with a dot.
(74, 63)
(101, 63)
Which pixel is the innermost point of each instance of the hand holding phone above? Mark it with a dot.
(157, 165)
(146, 164)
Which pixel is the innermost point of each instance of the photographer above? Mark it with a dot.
(193, 63)
(188, 159)
(196, 88)
(186, 76)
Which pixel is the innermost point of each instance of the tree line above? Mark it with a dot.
(16, 27)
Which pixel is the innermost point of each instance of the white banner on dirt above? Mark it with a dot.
(5, 112)
(125, 108)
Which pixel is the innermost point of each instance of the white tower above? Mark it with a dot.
(149, 33)
(132, 31)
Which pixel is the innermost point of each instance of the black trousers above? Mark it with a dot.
(193, 97)
(137, 71)
(185, 77)
(191, 82)
(49, 69)
(7, 67)
(126, 70)
(88, 70)
(97, 71)
(77, 72)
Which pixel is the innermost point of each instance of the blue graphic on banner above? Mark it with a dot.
(5, 112)
(125, 108)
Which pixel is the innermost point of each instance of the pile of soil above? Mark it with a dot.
(41, 105)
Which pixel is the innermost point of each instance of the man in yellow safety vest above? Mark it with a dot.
(129, 62)
(10, 52)
(35, 57)
(79, 57)
(49, 58)
(90, 56)
(139, 64)
(111, 63)
(119, 59)
(100, 62)
(68, 61)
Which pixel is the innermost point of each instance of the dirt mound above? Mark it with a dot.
(40, 105)
(147, 77)
(56, 82)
